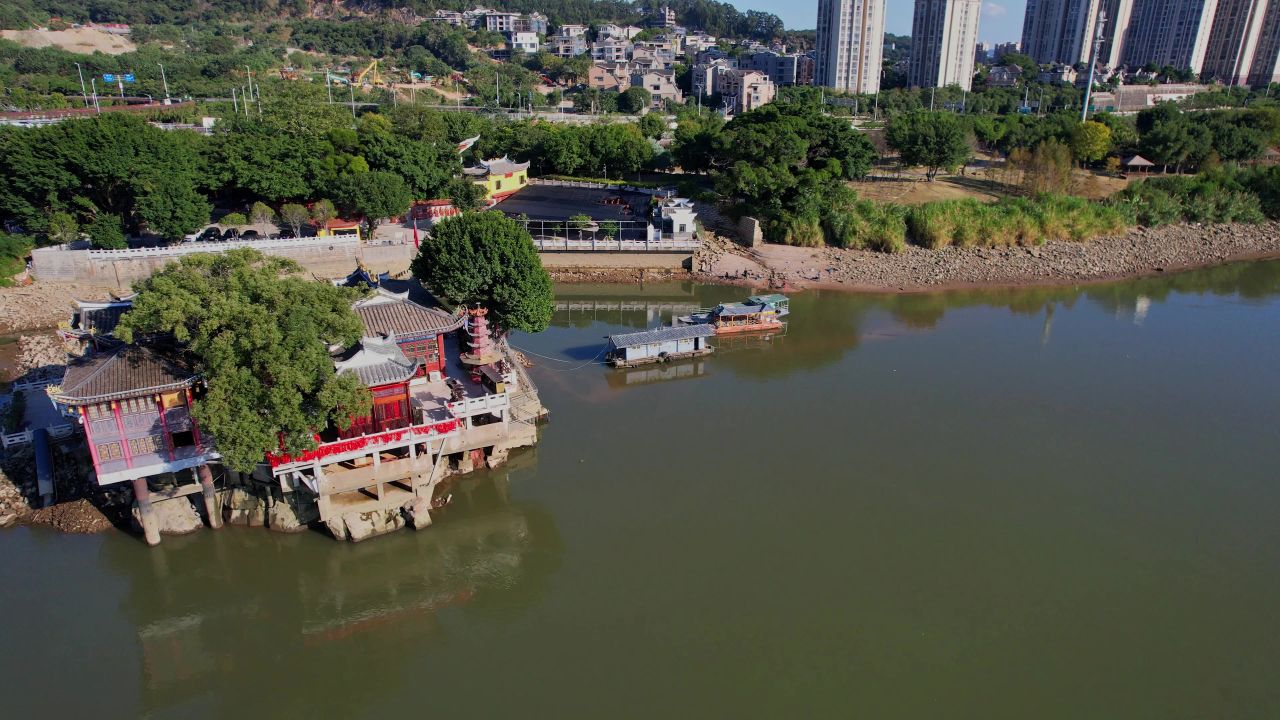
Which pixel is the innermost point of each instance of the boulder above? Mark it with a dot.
(176, 516)
(241, 507)
(293, 513)
(362, 526)
(497, 457)
(418, 513)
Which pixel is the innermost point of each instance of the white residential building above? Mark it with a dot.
(1171, 33)
(850, 44)
(943, 37)
(1063, 31)
(524, 42)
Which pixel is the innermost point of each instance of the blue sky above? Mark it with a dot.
(1001, 19)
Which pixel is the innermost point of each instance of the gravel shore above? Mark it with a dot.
(43, 304)
(1140, 252)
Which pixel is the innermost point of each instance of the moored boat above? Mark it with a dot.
(756, 313)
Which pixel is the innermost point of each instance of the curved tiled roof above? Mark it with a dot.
(124, 372)
(383, 314)
(378, 361)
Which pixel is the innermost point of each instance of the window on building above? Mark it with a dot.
(101, 411)
(186, 438)
(148, 445)
(109, 451)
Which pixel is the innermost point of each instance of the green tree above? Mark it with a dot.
(172, 210)
(465, 194)
(63, 228)
(295, 216)
(260, 336)
(1090, 141)
(652, 125)
(633, 100)
(322, 211)
(487, 258)
(106, 232)
(375, 195)
(261, 213)
(13, 252)
(234, 219)
(934, 140)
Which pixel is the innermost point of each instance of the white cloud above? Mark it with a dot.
(994, 10)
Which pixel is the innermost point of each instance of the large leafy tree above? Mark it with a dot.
(259, 334)
(487, 258)
(375, 195)
(934, 140)
(1090, 141)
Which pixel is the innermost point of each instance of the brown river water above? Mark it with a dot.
(1049, 503)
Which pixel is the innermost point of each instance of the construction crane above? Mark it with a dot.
(372, 68)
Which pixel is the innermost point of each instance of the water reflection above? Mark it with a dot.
(222, 612)
(826, 325)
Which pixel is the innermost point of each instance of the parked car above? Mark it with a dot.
(230, 234)
(209, 234)
(250, 235)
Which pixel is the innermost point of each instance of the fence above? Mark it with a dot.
(25, 437)
(657, 192)
(199, 247)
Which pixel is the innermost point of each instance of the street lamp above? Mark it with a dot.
(164, 81)
(83, 95)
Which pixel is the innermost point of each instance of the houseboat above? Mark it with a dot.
(659, 345)
(756, 313)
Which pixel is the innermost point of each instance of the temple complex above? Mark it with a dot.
(447, 398)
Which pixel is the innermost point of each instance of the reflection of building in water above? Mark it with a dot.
(624, 312)
(656, 373)
(246, 610)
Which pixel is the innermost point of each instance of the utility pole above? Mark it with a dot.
(932, 92)
(235, 106)
(328, 85)
(83, 94)
(352, 88)
(164, 81)
(249, 73)
(94, 83)
(1093, 62)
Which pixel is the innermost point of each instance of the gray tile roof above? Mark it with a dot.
(124, 372)
(404, 318)
(378, 361)
(662, 334)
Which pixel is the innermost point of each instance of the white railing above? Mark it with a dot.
(603, 186)
(37, 383)
(551, 244)
(189, 248)
(25, 437)
(480, 405)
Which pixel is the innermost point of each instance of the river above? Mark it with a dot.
(1051, 503)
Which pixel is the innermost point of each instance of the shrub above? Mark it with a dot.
(1211, 198)
(867, 226)
(234, 219)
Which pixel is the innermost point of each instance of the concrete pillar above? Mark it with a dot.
(145, 515)
(210, 499)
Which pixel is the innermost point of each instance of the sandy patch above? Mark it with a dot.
(77, 40)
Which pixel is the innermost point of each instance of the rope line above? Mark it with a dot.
(579, 367)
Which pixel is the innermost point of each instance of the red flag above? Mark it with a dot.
(415, 231)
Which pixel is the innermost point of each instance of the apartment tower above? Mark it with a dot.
(1172, 33)
(1063, 31)
(943, 37)
(850, 47)
(1244, 42)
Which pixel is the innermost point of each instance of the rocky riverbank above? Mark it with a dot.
(43, 304)
(1140, 252)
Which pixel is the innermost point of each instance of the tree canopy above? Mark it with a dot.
(933, 140)
(487, 258)
(259, 335)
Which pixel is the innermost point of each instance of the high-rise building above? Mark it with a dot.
(1265, 68)
(850, 47)
(1234, 41)
(1063, 31)
(943, 37)
(1169, 33)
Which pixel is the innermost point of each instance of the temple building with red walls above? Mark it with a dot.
(134, 404)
